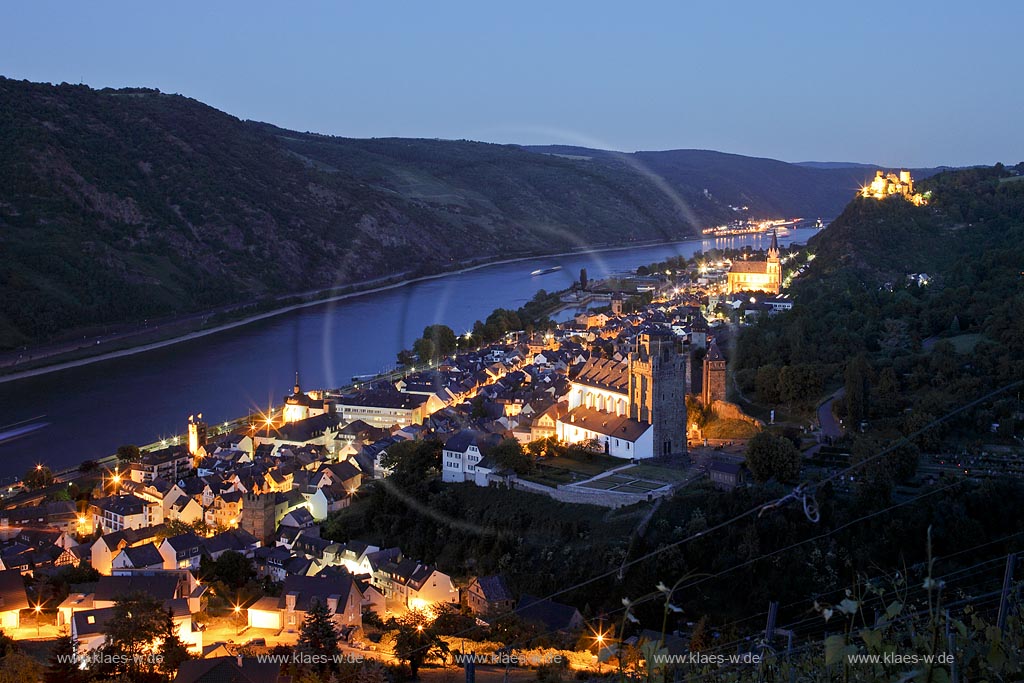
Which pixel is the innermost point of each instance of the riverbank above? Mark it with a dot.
(58, 365)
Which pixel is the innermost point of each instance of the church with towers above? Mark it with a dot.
(633, 408)
(757, 276)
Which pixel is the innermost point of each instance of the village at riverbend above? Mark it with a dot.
(512, 501)
(218, 532)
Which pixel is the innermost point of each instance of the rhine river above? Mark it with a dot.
(89, 411)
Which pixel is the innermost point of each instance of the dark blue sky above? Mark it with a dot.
(918, 84)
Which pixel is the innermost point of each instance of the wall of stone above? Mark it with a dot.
(725, 410)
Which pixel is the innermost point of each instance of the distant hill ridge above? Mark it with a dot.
(118, 205)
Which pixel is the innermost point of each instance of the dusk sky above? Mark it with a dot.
(915, 84)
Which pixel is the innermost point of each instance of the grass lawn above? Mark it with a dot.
(645, 485)
(596, 464)
(551, 476)
(729, 429)
(633, 489)
(656, 473)
(601, 484)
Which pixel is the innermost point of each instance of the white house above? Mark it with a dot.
(462, 453)
(286, 613)
(182, 552)
(411, 585)
(13, 598)
(116, 513)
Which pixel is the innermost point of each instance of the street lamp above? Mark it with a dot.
(39, 610)
(238, 625)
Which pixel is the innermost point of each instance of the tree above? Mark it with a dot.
(767, 384)
(232, 569)
(38, 477)
(424, 349)
(509, 454)
(176, 527)
(583, 278)
(696, 412)
(772, 457)
(416, 640)
(450, 620)
(858, 388)
(128, 453)
(699, 638)
(887, 393)
(930, 438)
(172, 651)
(318, 638)
(437, 341)
(799, 384)
(897, 465)
(413, 461)
(8, 645)
(19, 668)
(140, 639)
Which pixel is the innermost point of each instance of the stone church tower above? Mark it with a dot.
(713, 384)
(773, 268)
(657, 391)
(258, 517)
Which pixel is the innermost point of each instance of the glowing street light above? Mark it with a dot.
(599, 642)
(38, 610)
(238, 625)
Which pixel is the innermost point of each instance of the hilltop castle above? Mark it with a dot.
(884, 186)
(757, 276)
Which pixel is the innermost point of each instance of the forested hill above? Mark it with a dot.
(928, 301)
(771, 187)
(974, 213)
(117, 205)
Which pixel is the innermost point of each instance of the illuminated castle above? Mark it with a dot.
(888, 185)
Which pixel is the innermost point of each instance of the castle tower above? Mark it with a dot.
(196, 433)
(773, 269)
(297, 390)
(616, 304)
(713, 385)
(657, 391)
(258, 517)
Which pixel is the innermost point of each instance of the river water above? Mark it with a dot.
(89, 411)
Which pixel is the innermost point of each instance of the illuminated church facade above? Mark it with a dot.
(757, 276)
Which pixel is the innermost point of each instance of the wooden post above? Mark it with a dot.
(951, 649)
(769, 633)
(1004, 598)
